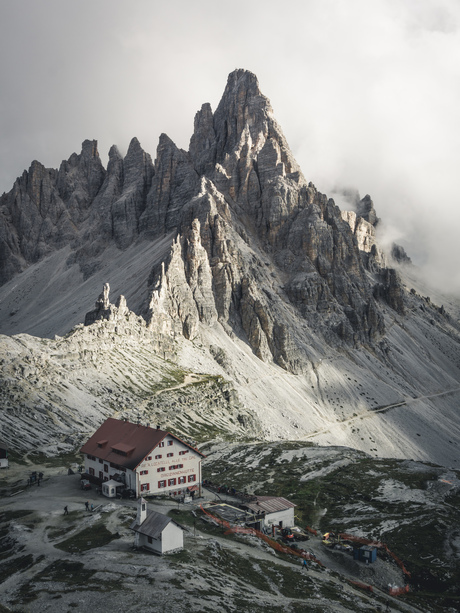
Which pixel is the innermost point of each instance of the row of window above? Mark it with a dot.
(170, 482)
(162, 444)
(101, 474)
(148, 458)
(169, 455)
(121, 468)
(161, 469)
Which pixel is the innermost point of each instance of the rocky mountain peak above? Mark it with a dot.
(366, 210)
(233, 207)
(89, 149)
(114, 154)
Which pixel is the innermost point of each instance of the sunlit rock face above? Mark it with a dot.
(226, 262)
(256, 246)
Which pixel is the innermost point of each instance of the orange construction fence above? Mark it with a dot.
(363, 541)
(362, 586)
(397, 591)
(252, 531)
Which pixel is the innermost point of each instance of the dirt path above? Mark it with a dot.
(371, 412)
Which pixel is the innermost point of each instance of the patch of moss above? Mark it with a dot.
(6, 516)
(90, 538)
(15, 565)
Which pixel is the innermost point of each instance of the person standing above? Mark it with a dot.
(87, 505)
(66, 511)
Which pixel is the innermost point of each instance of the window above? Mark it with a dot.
(106, 468)
(162, 444)
(161, 469)
(145, 487)
(176, 466)
(144, 472)
(191, 478)
(161, 484)
(150, 539)
(182, 480)
(171, 482)
(149, 457)
(91, 471)
(158, 457)
(100, 461)
(169, 455)
(101, 474)
(183, 452)
(170, 442)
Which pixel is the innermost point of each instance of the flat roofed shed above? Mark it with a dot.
(269, 504)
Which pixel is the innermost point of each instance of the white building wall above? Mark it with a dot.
(286, 516)
(155, 469)
(172, 538)
(158, 467)
(104, 471)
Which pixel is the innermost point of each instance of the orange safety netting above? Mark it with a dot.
(397, 591)
(363, 541)
(362, 586)
(252, 531)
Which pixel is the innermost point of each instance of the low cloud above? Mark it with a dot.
(367, 93)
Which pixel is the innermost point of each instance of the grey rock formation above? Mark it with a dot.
(399, 254)
(256, 247)
(237, 267)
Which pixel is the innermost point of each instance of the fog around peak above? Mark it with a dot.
(367, 94)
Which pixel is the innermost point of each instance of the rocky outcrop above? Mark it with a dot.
(366, 210)
(390, 289)
(174, 183)
(256, 247)
(399, 254)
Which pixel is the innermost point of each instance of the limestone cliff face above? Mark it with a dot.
(256, 247)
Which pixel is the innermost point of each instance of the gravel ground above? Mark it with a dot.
(131, 580)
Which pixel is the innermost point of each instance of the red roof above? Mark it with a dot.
(133, 442)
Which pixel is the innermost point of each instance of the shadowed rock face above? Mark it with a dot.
(256, 246)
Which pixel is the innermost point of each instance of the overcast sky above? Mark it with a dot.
(367, 93)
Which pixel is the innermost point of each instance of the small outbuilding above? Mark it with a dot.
(112, 488)
(155, 531)
(365, 554)
(272, 510)
(3, 455)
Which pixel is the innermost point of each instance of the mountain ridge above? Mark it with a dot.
(227, 249)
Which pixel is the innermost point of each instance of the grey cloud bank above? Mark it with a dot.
(367, 93)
